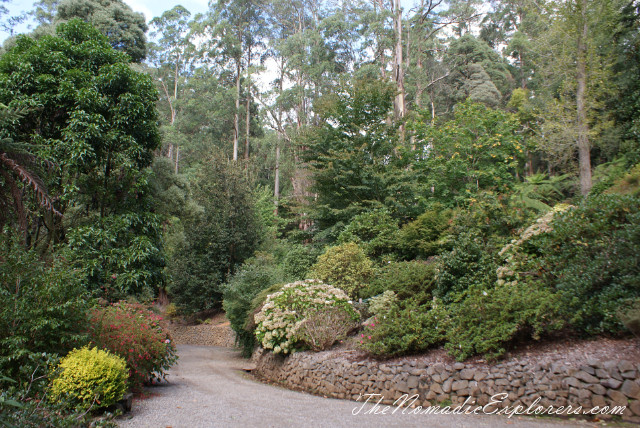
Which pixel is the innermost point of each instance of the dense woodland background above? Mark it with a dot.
(476, 158)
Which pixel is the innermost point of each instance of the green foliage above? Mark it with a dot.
(255, 275)
(43, 309)
(218, 238)
(114, 18)
(374, 231)
(407, 328)
(354, 156)
(19, 409)
(346, 266)
(88, 113)
(90, 378)
(285, 312)
(121, 255)
(138, 336)
(540, 192)
(470, 263)
(629, 184)
(298, 260)
(488, 317)
(425, 236)
(477, 150)
(591, 259)
(412, 280)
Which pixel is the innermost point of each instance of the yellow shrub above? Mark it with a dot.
(90, 377)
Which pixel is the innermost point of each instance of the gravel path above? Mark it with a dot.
(208, 389)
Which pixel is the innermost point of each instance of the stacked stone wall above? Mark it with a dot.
(518, 382)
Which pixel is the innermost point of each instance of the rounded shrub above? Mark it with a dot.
(426, 236)
(405, 328)
(591, 258)
(303, 313)
(408, 280)
(137, 335)
(90, 378)
(375, 232)
(345, 266)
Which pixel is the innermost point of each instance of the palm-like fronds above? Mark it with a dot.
(17, 164)
(541, 192)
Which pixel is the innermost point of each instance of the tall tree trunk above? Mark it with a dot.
(177, 158)
(248, 106)
(276, 184)
(584, 150)
(236, 118)
(398, 71)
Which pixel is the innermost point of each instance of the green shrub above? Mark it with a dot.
(21, 406)
(408, 280)
(425, 236)
(407, 328)
(345, 266)
(374, 231)
(138, 336)
(471, 262)
(90, 378)
(284, 312)
(43, 309)
(298, 260)
(122, 255)
(592, 258)
(629, 184)
(488, 318)
(255, 275)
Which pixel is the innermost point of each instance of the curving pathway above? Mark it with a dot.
(208, 389)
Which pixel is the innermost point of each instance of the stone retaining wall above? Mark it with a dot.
(596, 383)
(203, 335)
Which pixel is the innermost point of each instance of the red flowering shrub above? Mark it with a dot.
(136, 334)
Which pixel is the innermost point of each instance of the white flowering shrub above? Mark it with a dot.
(284, 316)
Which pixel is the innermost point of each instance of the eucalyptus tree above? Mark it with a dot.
(236, 28)
(576, 57)
(171, 56)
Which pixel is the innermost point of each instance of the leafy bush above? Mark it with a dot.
(255, 275)
(90, 378)
(346, 266)
(137, 335)
(629, 315)
(285, 311)
(298, 260)
(470, 262)
(425, 236)
(592, 258)
(487, 318)
(374, 231)
(43, 309)
(19, 409)
(408, 280)
(121, 255)
(406, 328)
